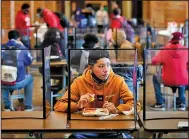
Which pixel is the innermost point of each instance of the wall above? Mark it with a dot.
(158, 13)
(10, 8)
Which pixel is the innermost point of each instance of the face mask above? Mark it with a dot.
(26, 11)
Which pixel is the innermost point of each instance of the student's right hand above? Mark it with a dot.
(84, 100)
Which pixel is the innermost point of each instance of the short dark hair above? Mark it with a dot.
(25, 6)
(90, 37)
(117, 11)
(90, 40)
(96, 55)
(39, 10)
(13, 34)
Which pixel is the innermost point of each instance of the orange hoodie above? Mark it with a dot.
(85, 84)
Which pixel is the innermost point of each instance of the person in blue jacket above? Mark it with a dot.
(23, 80)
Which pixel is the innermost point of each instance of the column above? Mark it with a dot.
(127, 9)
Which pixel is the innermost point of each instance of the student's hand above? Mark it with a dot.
(84, 100)
(111, 107)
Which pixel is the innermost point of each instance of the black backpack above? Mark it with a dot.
(63, 20)
(9, 65)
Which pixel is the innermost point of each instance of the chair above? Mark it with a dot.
(174, 88)
(54, 94)
(55, 89)
(18, 96)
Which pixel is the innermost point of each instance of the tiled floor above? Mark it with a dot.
(37, 103)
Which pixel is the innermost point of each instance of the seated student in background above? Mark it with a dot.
(14, 41)
(23, 80)
(91, 42)
(53, 37)
(99, 80)
(174, 71)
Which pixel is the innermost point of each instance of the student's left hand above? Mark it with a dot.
(111, 107)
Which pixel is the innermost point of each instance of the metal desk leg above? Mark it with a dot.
(154, 135)
(157, 135)
(160, 135)
(37, 135)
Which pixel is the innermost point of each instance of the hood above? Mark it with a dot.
(14, 43)
(175, 52)
(89, 80)
(11, 42)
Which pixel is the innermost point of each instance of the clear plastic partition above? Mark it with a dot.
(164, 35)
(130, 38)
(81, 82)
(165, 82)
(23, 34)
(28, 89)
(76, 37)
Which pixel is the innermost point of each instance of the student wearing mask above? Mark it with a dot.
(50, 18)
(96, 76)
(97, 82)
(22, 23)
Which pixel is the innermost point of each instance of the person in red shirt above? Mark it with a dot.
(174, 60)
(22, 24)
(49, 18)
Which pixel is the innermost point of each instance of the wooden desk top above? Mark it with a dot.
(52, 63)
(57, 121)
(164, 125)
(120, 122)
(54, 121)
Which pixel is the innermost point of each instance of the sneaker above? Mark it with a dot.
(181, 107)
(7, 108)
(28, 108)
(158, 107)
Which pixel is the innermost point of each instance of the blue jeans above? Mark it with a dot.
(131, 87)
(158, 94)
(27, 84)
(96, 135)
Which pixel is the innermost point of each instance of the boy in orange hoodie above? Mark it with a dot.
(97, 82)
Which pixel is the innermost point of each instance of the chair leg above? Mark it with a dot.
(12, 105)
(51, 100)
(174, 101)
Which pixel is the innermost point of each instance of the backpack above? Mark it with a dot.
(63, 20)
(122, 23)
(9, 66)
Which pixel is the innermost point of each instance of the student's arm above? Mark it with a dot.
(27, 57)
(62, 104)
(158, 58)
(127, 96)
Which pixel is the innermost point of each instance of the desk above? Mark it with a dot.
(163, 126)
(62, 76)
(52, 63)
(56, 122)
(62, 63)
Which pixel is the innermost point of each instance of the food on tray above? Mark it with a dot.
(95, 112)
(89, 110)
(92, 97)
